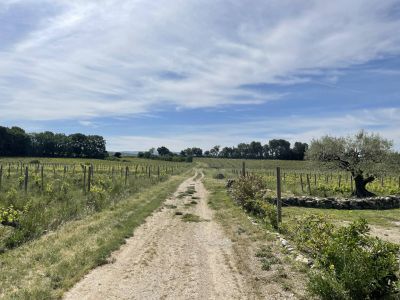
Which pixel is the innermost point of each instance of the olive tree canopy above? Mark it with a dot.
(363, 155)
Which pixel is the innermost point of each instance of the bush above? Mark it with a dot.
(248, 191)
(352, 264)
(219, 176)
(112, 158)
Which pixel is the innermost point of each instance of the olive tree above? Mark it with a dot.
(363, 155)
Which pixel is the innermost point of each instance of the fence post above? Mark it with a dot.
(308, 184)
(158, 172)
(42, 178)
(84, 179)
(26, 179)
(339, 180)
(243, 169)
(89, 177)
(126, 175)
(1, 174)
(301, 182)
(278, 194)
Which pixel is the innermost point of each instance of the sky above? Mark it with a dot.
(185, 73)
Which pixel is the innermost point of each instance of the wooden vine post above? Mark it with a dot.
(301, 183)
(308, 184)
(26, 179)
(126, 175)
(243, 169)
(89, 177)
(42, 178)
(278, 194)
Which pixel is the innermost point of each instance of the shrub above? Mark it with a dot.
(219, 176)
(248, 191)
(10, 216)
(352, 264)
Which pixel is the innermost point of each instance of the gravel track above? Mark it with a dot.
(168, 258)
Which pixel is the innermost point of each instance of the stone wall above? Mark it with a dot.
(388, 202)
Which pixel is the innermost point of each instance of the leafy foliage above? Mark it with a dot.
(10, 216)
(352, 264)
(363, 155)
(248, 191)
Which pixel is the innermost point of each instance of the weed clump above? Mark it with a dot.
(170, 206)
(267, 258)
(191, 218)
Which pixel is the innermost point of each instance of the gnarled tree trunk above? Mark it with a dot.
(360, 183)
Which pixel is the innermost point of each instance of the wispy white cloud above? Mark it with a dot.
(106, 58)
(293, 128)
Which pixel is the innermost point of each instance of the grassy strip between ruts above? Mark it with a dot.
(47, 267)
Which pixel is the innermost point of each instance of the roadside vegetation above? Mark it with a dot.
(338, 252)
(38, 196)
(268, 269)
(349, 260)
(48, 266)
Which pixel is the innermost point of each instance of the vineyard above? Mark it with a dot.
(38, 195)
(306, 178)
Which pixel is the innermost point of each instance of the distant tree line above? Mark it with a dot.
(274, 149)
(164, 154)
(15, 141)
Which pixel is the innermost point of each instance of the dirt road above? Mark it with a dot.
(170, 258)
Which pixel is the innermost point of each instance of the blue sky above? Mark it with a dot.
(186, 73)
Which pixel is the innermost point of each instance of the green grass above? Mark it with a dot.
(191, 218)
(374, 217)
(48, 266)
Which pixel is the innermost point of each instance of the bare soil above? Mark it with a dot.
(390, 234)
(170, 258)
